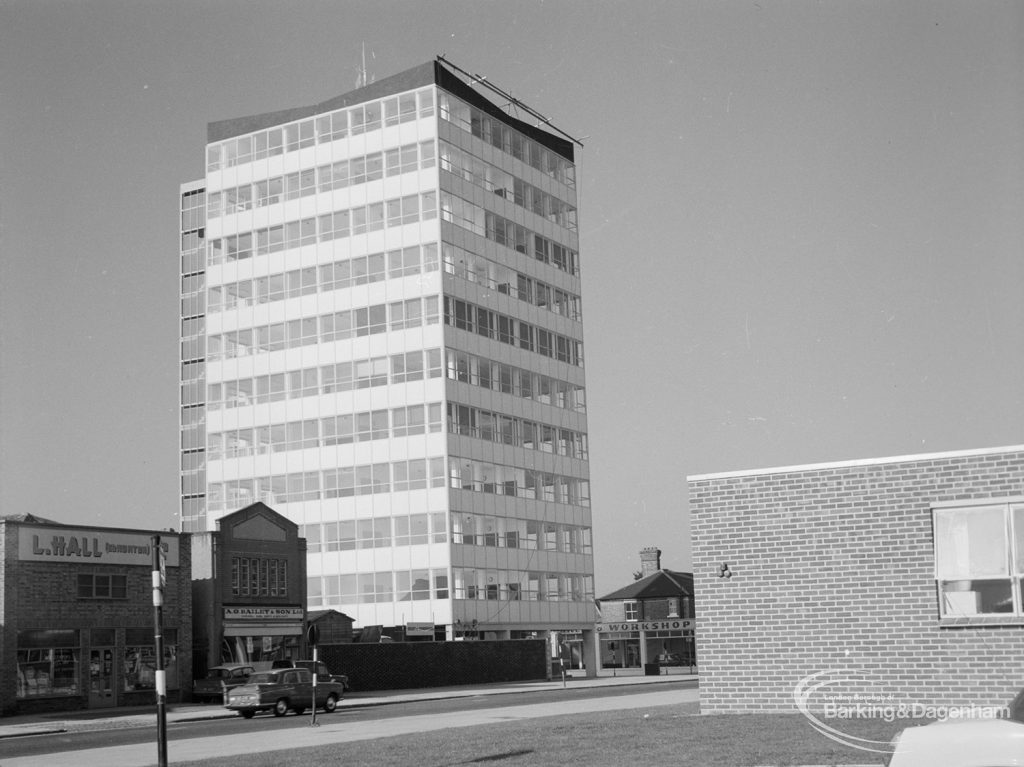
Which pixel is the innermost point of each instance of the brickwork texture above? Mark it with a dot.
(43, 595)
(404, 665)
(833, 571)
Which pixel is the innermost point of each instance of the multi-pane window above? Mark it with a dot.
(631, 608)
(514, 586)
(512, 533)
(378, 532)
(259, 577)
(493, 179)
(484, 322)
(979, 559)
(498, 479)
(330, 226)
(502, 137)
(370, 587)
(477, 269)
(102, 586)
(497, 376)
(509, 430)
(342, 376)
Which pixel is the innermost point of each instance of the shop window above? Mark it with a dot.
(979, 560)
(48, 663)
(139, 666)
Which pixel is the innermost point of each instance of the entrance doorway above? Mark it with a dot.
(101, 678)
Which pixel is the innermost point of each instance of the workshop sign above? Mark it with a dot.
(667, 624)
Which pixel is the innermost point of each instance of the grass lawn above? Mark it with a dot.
(665, 736)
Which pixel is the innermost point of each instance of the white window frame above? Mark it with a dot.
(631, 607)
(968, 604)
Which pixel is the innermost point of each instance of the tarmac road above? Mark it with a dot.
(332, 731)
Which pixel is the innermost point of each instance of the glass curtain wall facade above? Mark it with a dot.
(382, 340)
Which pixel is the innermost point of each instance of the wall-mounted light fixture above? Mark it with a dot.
(724, 571)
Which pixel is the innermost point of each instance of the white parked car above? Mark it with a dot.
(964, 742)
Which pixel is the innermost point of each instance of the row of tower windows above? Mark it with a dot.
(515, 585)
(492, 179)
(514, 533)
(372, 425)
(323, 178)
(508, 330)
(376, 532)
(330, 226)
(344, 482)
(518, 432)
(360, 270)
(510, 141)
(376, 267)
(398, 476)
(387, 586)
(336, 326)
(373, 115)
(340, 376)
(366, 117)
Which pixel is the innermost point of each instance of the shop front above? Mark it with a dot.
(77, 620)
(645, 644)
(261, 634)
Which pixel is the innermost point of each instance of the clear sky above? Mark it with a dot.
(801, 226)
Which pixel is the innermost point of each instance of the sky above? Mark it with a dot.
(801, 226)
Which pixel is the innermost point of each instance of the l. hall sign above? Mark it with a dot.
(66, 544)
(669, 624)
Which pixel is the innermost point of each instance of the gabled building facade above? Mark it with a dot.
(650, 619)
(248, 590)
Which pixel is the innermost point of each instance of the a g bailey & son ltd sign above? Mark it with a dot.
(66, 544)
(263, 613)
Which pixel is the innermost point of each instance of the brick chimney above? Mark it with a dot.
(650, 561)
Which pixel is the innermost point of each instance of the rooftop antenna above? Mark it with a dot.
(362, 80)
(511, 101)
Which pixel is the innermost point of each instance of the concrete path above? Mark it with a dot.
(334, 729)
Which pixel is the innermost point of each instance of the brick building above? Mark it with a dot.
(650, 618)
(893, 578)
(248, 589)
(76, 616)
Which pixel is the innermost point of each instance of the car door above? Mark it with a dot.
(300, 691)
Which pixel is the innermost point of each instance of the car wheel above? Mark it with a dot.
(298, 710)
(331, 703)
(247, 714)
(281, 707)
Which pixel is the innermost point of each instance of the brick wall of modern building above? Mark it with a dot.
(833, 571)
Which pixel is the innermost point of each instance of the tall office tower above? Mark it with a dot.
(382, 340)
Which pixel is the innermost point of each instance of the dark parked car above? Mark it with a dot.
(282, 690)
(219, 680)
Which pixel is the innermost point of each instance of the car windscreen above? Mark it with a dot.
(263, 678)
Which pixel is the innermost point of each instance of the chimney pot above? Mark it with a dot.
(650, 561)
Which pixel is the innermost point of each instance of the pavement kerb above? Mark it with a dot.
(59, 722)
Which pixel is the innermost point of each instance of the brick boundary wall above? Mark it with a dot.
(407, 665)
(833, 570)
